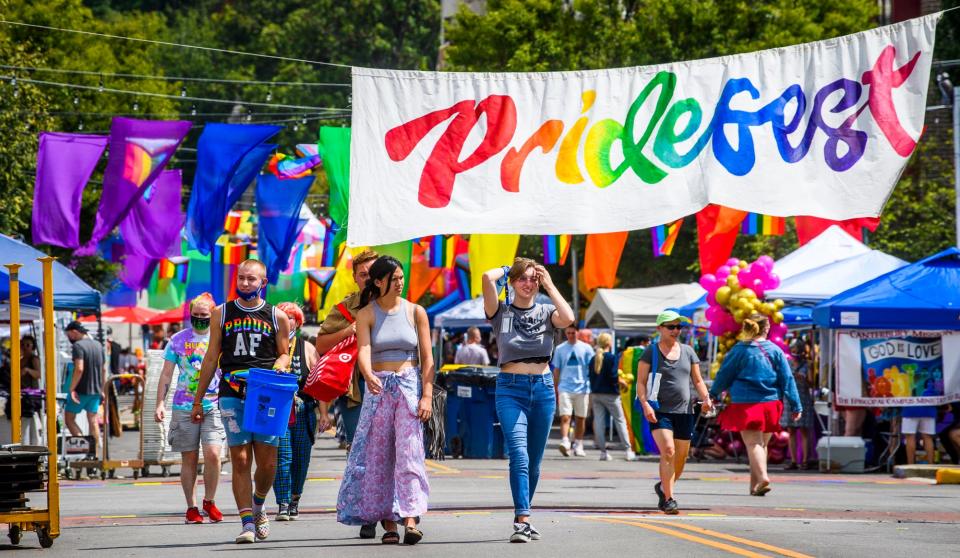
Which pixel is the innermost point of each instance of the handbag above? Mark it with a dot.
(330, 376)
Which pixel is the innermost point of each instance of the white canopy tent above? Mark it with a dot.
(637, 309)
(832, 245)
(819, 284)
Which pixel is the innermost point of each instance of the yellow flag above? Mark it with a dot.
(488, 251)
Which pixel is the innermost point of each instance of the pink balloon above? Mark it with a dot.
(774, 281)
(723, 271)
(766, 261)
(716, 328)
(707, 279)
(733, 261)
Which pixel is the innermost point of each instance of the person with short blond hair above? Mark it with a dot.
(247, 333)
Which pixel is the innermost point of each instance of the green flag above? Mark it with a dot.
(334, 148)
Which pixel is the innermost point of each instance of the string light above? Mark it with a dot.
(76, 100)
(100, 88)
(193, 110)
(136, 106)
(249, 116)
(269, 95)
(80, 126)
(183, 90)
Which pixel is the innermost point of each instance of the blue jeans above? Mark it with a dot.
(525, 407)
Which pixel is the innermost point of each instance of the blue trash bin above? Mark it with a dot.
(268, 400)
(473, 429)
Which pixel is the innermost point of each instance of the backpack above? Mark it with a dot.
(330, 376)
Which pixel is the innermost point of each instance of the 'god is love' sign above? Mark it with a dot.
(820, 129)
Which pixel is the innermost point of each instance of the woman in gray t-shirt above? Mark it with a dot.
(667, 402)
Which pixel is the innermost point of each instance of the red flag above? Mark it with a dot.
(717, 229)
(602, 259)
(809, 228)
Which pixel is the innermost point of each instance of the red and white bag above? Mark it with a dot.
(330, 376)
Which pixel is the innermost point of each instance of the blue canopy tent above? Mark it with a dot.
(69, 291)
(923, 295)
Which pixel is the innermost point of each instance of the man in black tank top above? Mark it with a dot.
(251, 334)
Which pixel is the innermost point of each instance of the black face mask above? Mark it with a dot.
(200, 324)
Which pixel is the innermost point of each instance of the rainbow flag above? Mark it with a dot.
(765, 225)
(664, 237)
(170, 268)
(438, 250)
(556, 247)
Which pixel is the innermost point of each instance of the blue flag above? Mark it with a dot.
(278, 209)
(228, 158)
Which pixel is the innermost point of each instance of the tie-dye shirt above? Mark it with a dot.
(186, 349)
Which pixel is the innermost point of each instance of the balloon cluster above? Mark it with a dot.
(735, 292)
(724, 446)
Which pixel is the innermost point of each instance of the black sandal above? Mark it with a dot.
(412, 535)
(390, 537)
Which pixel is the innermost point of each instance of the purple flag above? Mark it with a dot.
(152, 228)
(139, 149)
(64, 165)
(136, 270)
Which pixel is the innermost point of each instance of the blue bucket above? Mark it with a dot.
(266, 409)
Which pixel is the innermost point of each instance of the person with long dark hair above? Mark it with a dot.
(524, 332)
(757, 376)
(386, 478)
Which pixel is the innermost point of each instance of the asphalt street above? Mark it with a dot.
(584, 506)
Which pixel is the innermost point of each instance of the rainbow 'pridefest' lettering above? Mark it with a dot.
(844, 148)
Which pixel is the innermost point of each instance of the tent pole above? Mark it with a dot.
(956, 158)
(576, 286)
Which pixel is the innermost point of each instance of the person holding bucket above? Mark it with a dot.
(666, 370)
(186, 351)
(386, 478)
(525, 399)
(293, 455)
(248, 334)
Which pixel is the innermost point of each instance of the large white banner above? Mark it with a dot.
(820, 129)
(897, 368)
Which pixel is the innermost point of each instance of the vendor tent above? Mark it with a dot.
(832, 245)
(924, 295)
(637, 309)
(470, 313)
(69, 291)
(821, 283)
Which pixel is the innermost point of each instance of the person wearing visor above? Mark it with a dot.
(185, 352)
(246, 333)
(665, 373)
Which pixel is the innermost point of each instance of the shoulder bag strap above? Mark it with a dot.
(342, 308)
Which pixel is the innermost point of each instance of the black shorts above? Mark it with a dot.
(680, 423)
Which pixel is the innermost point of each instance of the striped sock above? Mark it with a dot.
(246, 516)
(258, 501)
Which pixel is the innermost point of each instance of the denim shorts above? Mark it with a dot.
(680, 423)
(231, 412)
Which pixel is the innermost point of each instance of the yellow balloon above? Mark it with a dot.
(778, 317)
(742, 264)
(723, 295)
(767, 308)
(732, 280)
(778, 304)
(734, 270)
(748, 293)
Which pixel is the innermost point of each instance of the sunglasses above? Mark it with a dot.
(526, 279)
(673, 327)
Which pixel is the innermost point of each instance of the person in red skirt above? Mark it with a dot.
(757, 376)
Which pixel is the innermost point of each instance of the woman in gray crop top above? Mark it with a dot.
(396, 360)
(525, 396)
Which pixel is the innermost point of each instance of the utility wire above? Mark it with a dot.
(172, 78)
(167, 96)
(167, 43)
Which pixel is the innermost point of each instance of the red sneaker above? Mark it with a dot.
(213, 513)
(193, 516)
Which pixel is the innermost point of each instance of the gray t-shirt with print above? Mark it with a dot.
(675, 382)
(523, 332)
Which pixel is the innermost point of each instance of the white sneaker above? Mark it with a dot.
(246, 536)
(565, 447)
(604, 456)
(578, 450)
(521, 533)
(631, 456)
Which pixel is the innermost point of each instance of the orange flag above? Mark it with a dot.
(717, 229)
(602, 258)
(809, 228)
(421, 274)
